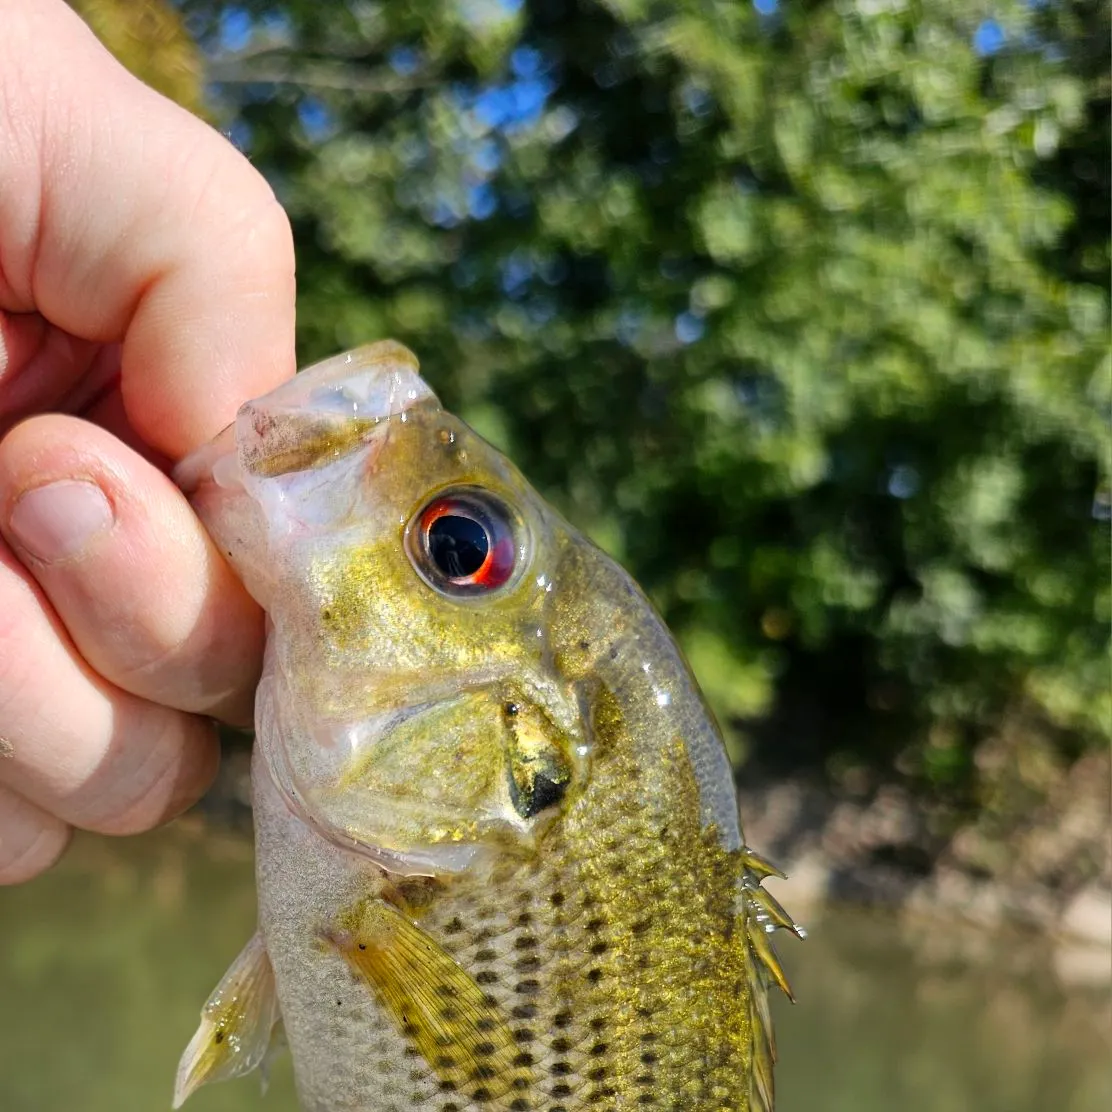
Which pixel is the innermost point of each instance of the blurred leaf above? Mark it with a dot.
(803, 314)
(150, 38)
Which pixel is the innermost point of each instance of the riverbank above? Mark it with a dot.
(1046, 870)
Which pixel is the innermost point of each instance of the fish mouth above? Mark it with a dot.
(324, 411)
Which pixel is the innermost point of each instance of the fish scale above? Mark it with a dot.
(499, 862)
(557, 963)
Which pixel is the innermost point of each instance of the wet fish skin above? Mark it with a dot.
(499, 860)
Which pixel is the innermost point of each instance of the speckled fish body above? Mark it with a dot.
(499, 861)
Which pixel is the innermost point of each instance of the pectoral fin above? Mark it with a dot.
(459, 1030)
(237, 1023)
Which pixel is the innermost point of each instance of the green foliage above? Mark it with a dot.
(803, 315)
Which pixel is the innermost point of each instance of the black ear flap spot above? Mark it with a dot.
(537, 785)
(538, 769)
(546, 792)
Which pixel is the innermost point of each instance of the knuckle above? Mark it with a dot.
(12, 663)
(17, 656)
(194, 673)
(176, 766)
(264, 240)
(26, 856)
(231, 196)
(145, 664)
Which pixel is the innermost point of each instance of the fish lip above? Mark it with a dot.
(378, 381)
(196, 469)
(383, 377)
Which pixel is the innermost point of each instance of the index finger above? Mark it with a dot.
(123, 218)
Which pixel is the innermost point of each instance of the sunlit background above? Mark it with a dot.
(801, 310)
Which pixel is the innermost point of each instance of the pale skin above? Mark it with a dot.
(146, 291)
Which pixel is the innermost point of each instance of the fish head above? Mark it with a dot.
(413, 703)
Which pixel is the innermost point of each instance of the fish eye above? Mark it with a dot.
(464, 542)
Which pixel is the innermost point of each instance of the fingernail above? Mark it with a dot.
(56, 521)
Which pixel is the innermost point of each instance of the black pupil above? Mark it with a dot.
(458, 545)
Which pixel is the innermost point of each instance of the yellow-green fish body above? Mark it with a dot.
(499, 861)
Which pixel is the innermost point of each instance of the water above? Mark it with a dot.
(106, 960)
(937, 1019)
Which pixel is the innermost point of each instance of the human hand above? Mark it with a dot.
(146, 290)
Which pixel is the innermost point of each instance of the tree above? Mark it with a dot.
(799, 308)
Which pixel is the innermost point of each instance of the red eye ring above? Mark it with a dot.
(463, 543)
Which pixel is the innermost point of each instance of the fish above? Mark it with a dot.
(499, 861)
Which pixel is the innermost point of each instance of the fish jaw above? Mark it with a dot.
(324, 413)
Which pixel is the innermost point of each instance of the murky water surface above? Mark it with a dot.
(105, 962)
